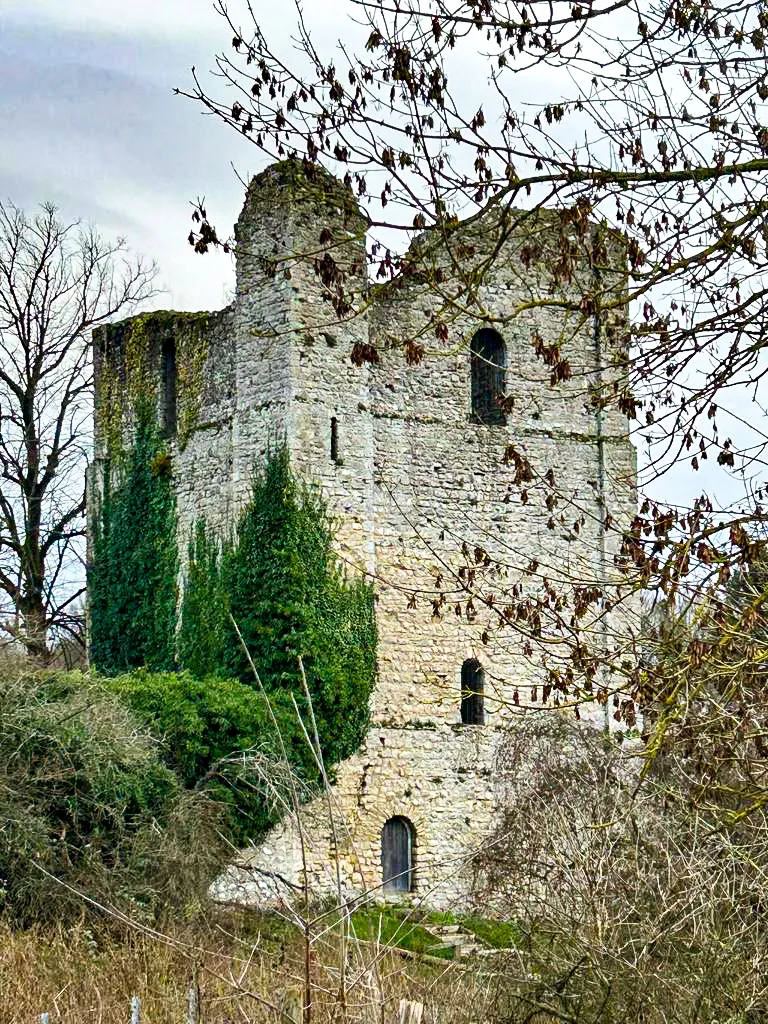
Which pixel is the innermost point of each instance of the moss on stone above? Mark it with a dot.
(392, 926)
(304, 183)
(129, 373)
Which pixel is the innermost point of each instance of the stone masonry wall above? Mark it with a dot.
(414, 480)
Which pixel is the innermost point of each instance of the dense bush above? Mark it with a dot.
(85, 800)
(220, 736)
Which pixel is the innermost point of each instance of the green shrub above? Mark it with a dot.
(85, 800)
(198, 721)
(219, 735)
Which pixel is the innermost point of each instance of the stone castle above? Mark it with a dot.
(419, 461)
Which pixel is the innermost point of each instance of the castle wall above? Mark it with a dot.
(440, 777)
(413, 480)
(204, 460)
(439, 480)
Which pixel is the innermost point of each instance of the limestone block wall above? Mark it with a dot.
(416, 486)
(128, 367)
(441, 480)
(293, 372)
(439, 777)
(204, 460)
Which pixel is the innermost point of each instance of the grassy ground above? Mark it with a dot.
(393, 928)
(494, 934)
(253, 969)
(409, 929)
(250, 968)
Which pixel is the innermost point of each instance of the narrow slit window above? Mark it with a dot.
(169, 381)
(334, 439)
(472, 686)
(488, 360)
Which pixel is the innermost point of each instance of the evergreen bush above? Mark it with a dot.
(85, 800)
(220, 736)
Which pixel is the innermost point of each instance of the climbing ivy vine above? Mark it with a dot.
(280, 581)
(129, 373)
(205, 629)
(134, 565)
(278, 578)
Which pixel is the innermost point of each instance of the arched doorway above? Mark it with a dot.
(397, 842)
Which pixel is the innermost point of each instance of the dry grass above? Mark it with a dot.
(249, 969)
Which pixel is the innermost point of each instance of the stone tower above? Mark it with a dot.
(422, 472)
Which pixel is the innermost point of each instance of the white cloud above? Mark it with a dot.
(160, 18)
(89, 121)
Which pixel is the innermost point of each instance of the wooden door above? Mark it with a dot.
(397, 855)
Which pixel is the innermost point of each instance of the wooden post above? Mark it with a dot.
(193, 1003)
(410, 1011)
(135, 1010)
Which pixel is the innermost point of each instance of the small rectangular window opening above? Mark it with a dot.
(169, 379)
(472, 686)
(334, 439)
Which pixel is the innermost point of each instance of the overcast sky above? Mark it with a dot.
(89, 121)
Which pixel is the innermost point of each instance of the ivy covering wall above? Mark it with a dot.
(129, 372)
(134, 565)
(277, 578)
(282, 584)
(205, 631)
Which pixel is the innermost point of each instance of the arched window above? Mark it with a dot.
(488, 360)
(397, 839)
(472, 681)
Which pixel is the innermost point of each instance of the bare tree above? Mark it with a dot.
(643, 121)
(632, 902)
(57, 281)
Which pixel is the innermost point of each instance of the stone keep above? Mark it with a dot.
(415, 483)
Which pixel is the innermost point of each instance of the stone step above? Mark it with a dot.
(456, 937)
(460, 949)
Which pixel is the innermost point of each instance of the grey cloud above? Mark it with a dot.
(90, 122)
